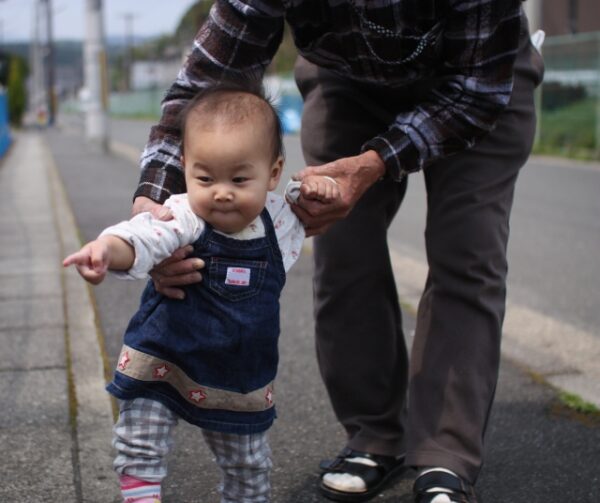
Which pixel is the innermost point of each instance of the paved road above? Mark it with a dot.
(554, 244)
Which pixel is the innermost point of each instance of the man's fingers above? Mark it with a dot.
(317, 231)
(172, 293)
(162, 282)
(316, 224)
(175, 268)
(308, 171)
(167, 285)
(162, 213)
(143, 204)
(177, 256)
(177, 271)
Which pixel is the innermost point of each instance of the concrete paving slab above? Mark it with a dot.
(31, 313)
(25, 222)
(35, 397)
(27, 266)
(40, 467)
(19, 286)
(15, 237)
(31, 348)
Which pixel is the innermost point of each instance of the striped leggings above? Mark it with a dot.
(143, 436)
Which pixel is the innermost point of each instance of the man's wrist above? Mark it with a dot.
(374, 163)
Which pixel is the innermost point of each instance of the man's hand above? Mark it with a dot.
(91, 261)
(354, 175)
(320, 188)
(158, 211)
(177, 270)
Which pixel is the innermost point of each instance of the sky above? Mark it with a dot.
(150, 17)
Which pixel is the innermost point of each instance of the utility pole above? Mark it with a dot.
(38, 102)
(49, 62)
(95, 76)
(128, 56)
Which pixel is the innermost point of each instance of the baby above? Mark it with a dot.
(210, 358)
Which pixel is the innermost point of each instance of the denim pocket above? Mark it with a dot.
(236, 279)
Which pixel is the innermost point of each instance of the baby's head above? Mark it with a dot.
(232, 153)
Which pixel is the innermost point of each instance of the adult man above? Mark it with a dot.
(392, 87)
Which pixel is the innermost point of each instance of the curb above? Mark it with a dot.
(92, 410)
(562, 355)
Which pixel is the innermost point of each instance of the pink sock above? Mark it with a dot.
(139, 491)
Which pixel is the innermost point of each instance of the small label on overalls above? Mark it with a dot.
(239, 276)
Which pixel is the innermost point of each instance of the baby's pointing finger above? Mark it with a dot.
(75, 258)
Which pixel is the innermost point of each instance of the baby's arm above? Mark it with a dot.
(320, 188)
(95, 258)
(135, 246)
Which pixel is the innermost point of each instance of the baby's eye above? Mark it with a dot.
(240, 179)
(204, 179)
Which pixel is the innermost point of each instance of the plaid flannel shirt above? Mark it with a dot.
(467, 46)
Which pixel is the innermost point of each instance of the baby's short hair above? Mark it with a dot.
(235, 102)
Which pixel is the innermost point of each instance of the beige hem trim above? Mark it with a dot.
(144, 367)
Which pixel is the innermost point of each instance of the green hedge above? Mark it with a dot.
(569, 131)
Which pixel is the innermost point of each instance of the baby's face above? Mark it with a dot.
(228, 172)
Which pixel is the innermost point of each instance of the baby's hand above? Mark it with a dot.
(320, 188)
(91, 261)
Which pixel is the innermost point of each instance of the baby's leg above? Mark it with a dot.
(143, 438)
(245, 462)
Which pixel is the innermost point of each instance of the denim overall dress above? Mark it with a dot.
(212, 357)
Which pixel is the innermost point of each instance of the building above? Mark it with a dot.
(154, 74)
(564, 17)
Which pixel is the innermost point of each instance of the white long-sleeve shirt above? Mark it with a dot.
(155, 240)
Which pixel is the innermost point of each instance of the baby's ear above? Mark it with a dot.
(276, 171)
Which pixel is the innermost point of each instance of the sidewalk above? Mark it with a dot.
(56, 333)
(56, 418)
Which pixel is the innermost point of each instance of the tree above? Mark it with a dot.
(17, 96)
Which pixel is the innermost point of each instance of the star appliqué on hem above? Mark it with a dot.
(124, 361)
(161, 371)
(197, 395)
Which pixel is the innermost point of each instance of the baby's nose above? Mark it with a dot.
(222, 194)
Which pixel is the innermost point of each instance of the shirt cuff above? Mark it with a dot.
(400, 158)
(141, 263)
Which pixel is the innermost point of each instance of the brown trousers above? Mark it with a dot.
(360, 344)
